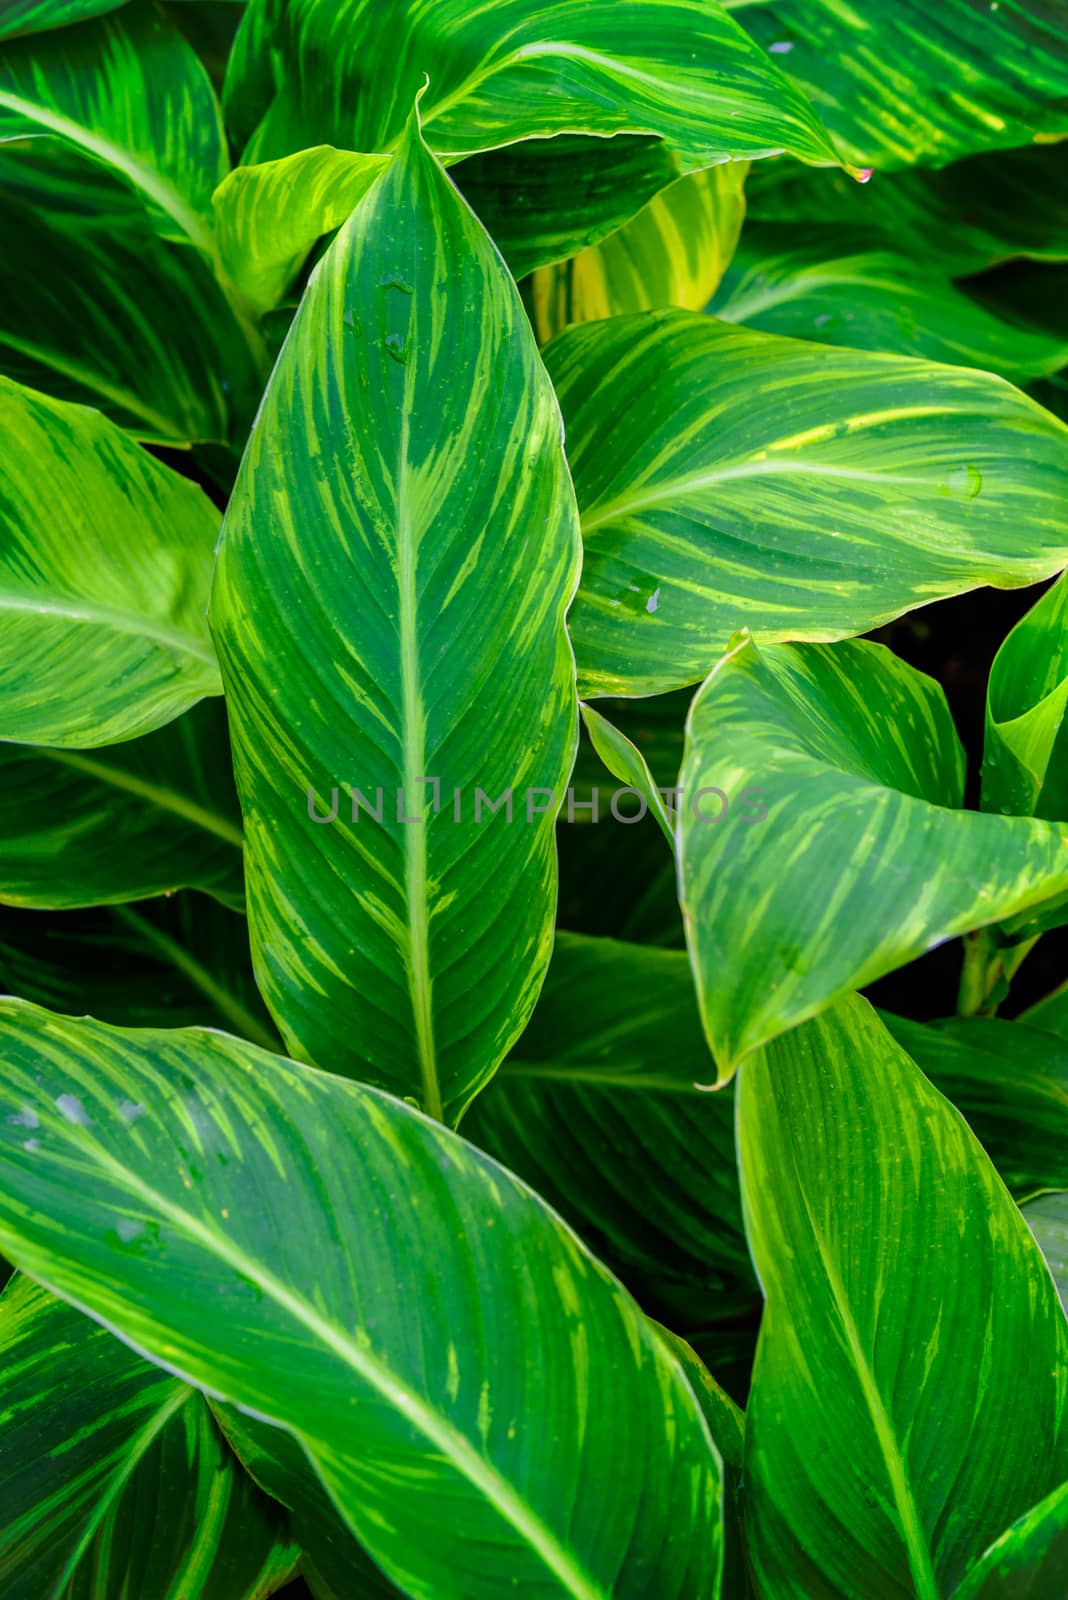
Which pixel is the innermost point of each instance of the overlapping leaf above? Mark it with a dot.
(98, 827)
(835, 287)
(729, 478)
(863, 860)
(344, 72)
(405, 490)
(909, 1398)
(902, 82)
(673, 253)
(483, 1402)
(115, 1480)
(1029, 1561)
(1025, 756)
(33, 16)
(1047, 1218)
(104, 571)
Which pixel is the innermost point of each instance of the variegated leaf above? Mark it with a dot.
(1047, 1217)
(864, 859)
(728, 478)
(35, 16)
(211, 1203)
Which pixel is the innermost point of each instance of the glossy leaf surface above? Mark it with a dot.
(217, 1205)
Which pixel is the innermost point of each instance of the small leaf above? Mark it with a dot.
(1025, 755)
(1029, 1561)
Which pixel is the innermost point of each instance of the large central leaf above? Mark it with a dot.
(489, 1411)
(396, 562)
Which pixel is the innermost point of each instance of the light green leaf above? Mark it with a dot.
(1047, 1218)
(104, 570)
(625, 761)
(34, 16)
(97, 827)
(1025, 754)
(1029, 1561)
(115, 1480)
(246, 1189)
(405, 488)
(128, 91)
(673, 253)
(960, 219)
(598, 1108)
(864, 859)
(838, 287)
(902, 1284)
(1010, 1082)
(344, 72)
(268, 217)
(729, 478)
(901, 82)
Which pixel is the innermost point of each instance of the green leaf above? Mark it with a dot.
(128, 91)
(171, 962)
(1047, 1218)
(673, 253)
(246, 1190)
(97, 827)
(1050, 1013)
(115, 1478)
(864, 859)
(730, 478)
(625, 761)
(909, 1395)
(35, 16)
(1029, 1561)
(1010, 1082)
(900, 82)
(962, 218)
(345, 73)
(826, 284)
(268, 217)
(433, 562)
(114, 317)
(1025, 754)
(104, 575)
(598, 1109)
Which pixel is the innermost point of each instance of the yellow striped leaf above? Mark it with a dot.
(903, 82)
(34, 16)
(910, 1393)
(396, 561)
(863, 860)
(673, 253)
(728, 478)
(217, 1207)
(115, 1480)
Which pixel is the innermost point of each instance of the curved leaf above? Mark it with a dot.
(128, 91)
(863, 860)
(740, 479)
(434, 559)
(1047, 1218)
(344, 72)
(901, 1281)
(1029, 1561)
(115, 1480)
(34, 16)
(1050, 1013)
(673, 253)
(597, 1109)
(625, 761)
(900, 82)
(97, 827)
(246, 1190)
(1025, 754)
(1009, 1081)
(825, 284)
(104, 572)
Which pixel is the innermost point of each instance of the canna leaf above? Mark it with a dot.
(1047, 1217)
(896, 1270)
(673, 253)
(405, 491)
(126, 90)
(344, 72)
(625, 761)
(825, 284)
(899, 82)
(1025, 754)
(115, 1479)
(104, 572)
(729, 478)
(215, 1205)
(98, 827)
(34, 16)
(1029, 1561)
(864, 859)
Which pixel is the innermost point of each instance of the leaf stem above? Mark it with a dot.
(989, 968)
